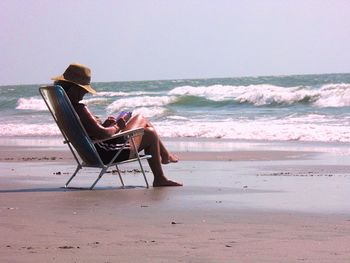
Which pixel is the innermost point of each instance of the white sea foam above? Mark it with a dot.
(263, 129)
(332, 95)
(214, 92)
(123, 94)
(150, 112)
(258, 95)
(260, 131)
(145, 101)
(32, 103)
(301, 128)
(179, 118)
(94, 101)
(29, 129)
(270, 95)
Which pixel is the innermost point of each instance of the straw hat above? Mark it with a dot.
(79, 75)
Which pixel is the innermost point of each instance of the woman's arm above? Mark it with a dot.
(93, 127)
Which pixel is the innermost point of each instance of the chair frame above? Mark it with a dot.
(127, 135)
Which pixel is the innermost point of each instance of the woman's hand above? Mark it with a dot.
(109, 122)
(121, 123)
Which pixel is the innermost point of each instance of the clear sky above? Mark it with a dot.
(171, 39)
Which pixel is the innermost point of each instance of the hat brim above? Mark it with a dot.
(88, 88)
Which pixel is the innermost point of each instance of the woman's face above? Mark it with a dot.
(76, 94)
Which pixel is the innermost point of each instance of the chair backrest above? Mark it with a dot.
(69, 123)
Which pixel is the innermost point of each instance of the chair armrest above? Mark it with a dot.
(126, 135)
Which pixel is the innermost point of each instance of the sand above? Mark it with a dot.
(249, 203)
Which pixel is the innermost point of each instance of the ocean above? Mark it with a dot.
(312, 108)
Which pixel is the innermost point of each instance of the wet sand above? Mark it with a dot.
(259, 204)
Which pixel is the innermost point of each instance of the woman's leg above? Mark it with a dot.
(166, 156)
(151, 143)
(138, 121)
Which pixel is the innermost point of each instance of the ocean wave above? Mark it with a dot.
(123, 94)
(214, 92)
(334, 95)
(95, 101)
(149, 112)
(313, 127)
(145, 101)
(330, 95)
(257, 130)
(32, 103)
(273, 95)
(29, 130)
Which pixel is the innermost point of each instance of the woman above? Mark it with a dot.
(76, 82)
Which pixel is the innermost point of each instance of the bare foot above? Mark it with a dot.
(171, 158)
(166, 183)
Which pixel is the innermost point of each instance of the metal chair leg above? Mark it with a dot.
(98, 178)
(143, 173)
(139, 160)
(120, 176)
(74, 174)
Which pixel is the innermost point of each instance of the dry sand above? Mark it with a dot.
(236, 206)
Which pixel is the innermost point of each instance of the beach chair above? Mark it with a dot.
(77, 139)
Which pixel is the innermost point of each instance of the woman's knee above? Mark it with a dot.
(142, 119)
(151, 132)
(137, 121)
(150, 137)
(139, 116)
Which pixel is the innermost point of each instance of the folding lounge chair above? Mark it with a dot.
(77, 139)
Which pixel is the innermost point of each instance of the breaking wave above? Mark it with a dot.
(32, 103)
(331, 95)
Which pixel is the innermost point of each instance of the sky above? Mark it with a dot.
(135, 40)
